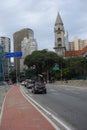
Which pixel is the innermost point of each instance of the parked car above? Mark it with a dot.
(39, 88)
(3, 83)
(23, 83)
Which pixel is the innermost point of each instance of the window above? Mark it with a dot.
(59, 40)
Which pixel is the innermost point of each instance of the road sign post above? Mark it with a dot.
(15, 55)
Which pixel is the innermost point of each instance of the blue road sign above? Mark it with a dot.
(13, 54)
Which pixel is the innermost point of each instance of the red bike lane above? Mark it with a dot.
(19, 114)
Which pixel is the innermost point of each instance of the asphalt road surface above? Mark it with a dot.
(67, 103)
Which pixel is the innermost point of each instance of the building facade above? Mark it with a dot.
(77, 47)
(5, 43)
(23, 41)
(77, 44)
(27, 47)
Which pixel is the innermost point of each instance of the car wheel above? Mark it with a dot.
(45, 92)
(34, 92)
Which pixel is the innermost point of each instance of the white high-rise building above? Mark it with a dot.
(28, 45)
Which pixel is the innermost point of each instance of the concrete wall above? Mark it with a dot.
(77, 83)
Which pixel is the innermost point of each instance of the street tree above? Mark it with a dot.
(42, 61)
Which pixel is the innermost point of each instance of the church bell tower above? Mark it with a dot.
(59, 36)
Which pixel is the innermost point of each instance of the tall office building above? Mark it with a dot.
(23, 41)
(5, 43)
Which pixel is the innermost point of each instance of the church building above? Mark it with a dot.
(65, 48)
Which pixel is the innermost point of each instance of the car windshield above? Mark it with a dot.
(40, 84)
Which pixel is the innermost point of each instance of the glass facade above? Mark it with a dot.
(1, 64)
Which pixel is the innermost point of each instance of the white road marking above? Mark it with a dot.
(35, 104)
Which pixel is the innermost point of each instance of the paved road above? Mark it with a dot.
(68, 103)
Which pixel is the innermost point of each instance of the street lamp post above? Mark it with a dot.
(16, 71)
(61, 73)
(56, 68)
(86, 61)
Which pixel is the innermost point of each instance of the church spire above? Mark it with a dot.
(58, 20)
(59, 36)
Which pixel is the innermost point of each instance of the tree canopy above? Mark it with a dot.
(49, 64)
(43, 60)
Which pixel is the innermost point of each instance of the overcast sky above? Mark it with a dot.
(40, 16)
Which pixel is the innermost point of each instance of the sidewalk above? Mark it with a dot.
(19, 114)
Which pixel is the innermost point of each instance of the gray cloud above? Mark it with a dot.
(40, 16)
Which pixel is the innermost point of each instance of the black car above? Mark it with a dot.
(39, 88)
